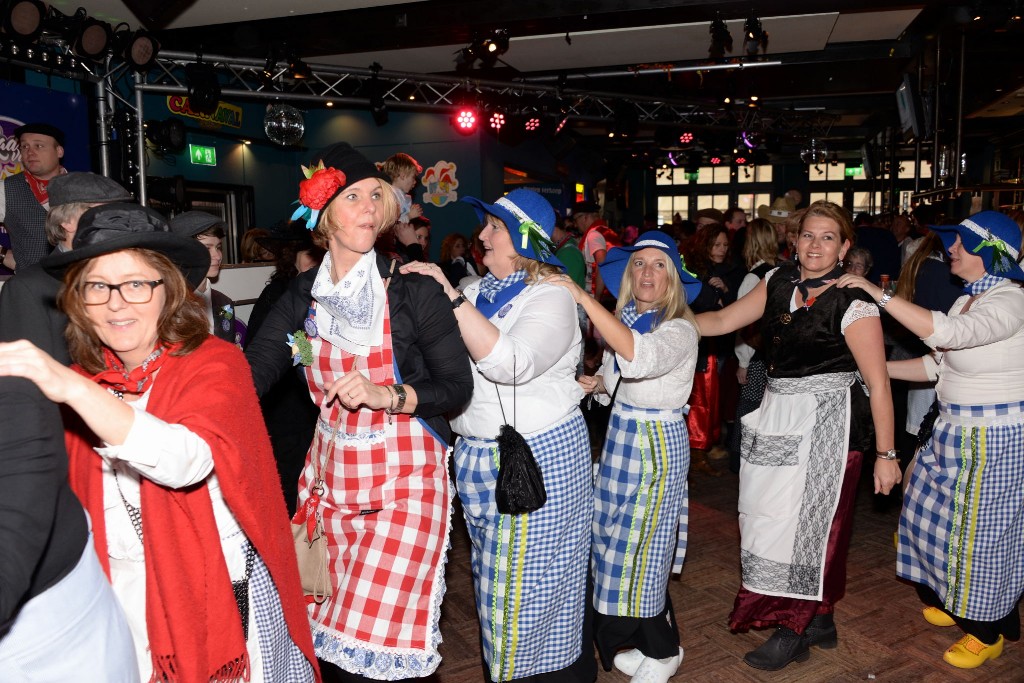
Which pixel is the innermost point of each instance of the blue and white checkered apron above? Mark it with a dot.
(283, 661)
(962, 528)
(641, 510)
(530, 571)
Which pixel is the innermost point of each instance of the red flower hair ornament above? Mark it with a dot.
(316, 190)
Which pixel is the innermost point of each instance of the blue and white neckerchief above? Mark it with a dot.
(353, 307)
(490, 286)
(635, 320)
(496, 294)
(985, 283)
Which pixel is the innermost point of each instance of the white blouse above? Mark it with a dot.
(538, 350)
(175, 457)
(980, 354)
(661, 372)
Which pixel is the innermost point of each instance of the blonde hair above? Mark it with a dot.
(535, 270)
(761, 244)
(385, 218)
(672, 303)
(399, 164)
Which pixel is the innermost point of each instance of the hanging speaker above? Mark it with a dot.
(156, 14)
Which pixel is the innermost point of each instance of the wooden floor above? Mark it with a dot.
(882, 636)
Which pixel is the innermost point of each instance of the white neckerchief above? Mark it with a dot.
(350, 314)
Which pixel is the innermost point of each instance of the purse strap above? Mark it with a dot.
(318, 469)
(503, 418)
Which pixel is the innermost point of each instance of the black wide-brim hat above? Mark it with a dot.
(286, 234)
(115, 227)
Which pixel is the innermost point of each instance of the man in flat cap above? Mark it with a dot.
(28, 301)
(24, 197)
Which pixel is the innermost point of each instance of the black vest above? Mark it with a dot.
(25, 220)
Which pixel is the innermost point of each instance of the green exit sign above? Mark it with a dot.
(852, 171)
(202, 155)
(692, 176)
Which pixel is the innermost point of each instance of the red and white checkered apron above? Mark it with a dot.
(386, 515)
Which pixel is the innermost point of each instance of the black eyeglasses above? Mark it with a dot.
(132, 292)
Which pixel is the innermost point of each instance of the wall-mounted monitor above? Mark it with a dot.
(908, 102)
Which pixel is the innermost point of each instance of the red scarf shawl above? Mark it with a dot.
(194, 630)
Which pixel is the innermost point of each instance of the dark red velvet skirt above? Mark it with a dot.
(703, 421)
(754, 610)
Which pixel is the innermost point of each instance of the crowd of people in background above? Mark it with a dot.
(606, 367)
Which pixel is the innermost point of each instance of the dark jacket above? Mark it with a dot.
(43, 530)
(28, 310)
(425, 338)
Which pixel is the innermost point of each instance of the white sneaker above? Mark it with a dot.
(657, 670)
(628, 661)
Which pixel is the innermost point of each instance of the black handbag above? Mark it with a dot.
(520, 485)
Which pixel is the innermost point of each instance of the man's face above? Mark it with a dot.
(40, 155)
(584, 220)
(739, 220)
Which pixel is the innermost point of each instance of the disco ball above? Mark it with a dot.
(283, 124)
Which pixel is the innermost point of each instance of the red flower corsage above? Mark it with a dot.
(320, 185)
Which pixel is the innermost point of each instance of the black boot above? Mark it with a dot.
(822, 632)
(784, 646)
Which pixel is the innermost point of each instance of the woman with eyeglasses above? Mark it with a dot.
(187, 517)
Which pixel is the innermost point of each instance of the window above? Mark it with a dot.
(862, 202)
(668, 206)
(713, 201)
(834, 197)
(754, 174)
(750, 202)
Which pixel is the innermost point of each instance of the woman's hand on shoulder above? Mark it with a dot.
(848, 280)
(887, 475)
(58, 383)
(566, 282)
(431, 270)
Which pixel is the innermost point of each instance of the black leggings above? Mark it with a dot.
(987, 632)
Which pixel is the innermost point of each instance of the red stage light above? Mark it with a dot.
(465, 121)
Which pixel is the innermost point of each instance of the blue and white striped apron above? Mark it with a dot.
(530, 571)
(962, 527)
(641, 510)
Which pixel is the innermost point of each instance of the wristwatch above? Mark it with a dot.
(884, 300)
(400, 391)
(459, 300)
(887, 455)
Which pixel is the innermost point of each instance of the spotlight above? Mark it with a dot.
(203, 88)
(750, 140)
(755, 38)
(532, 124)
(497, 44)
(465, 120)
(496, 121)
(721, 39)
(298, 69)
(715, 161)
(818, 170)
(686, 138)
(23, 20)
(561, 123)
(167, 136)
(378, 108)
(138, 49)
(92, 39)
(740, 161)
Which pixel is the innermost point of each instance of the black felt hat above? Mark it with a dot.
(192, 223)
(41, 129)
(114, 227)
(286, 234)
(85, 188)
